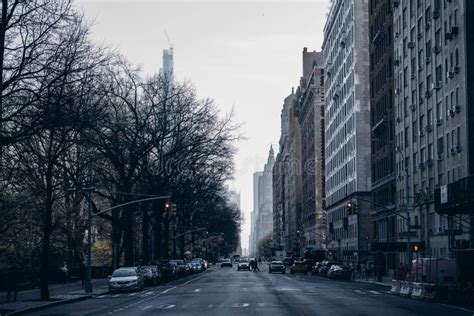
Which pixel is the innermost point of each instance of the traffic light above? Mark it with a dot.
(350, 208)
(166, 212)
(173, 210)
(416, 247)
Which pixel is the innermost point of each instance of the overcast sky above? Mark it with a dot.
(243, 54)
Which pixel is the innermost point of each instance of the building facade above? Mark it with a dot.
(382, 122)
(432, 73)
(347, 129)
(262, 217)
(280, 193)
(309, 96)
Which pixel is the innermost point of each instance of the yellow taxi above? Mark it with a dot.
(299, 267)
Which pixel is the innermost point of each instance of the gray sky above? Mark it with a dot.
(245, 54)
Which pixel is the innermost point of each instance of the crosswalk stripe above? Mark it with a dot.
(375, 292)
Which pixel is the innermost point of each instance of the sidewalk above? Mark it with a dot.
(60, 294)
(386, 281)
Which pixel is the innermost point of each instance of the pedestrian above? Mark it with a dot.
(256, 268)
(358, 270)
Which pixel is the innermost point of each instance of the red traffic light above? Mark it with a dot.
(416, 247)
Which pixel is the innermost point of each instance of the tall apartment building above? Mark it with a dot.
(382, 122)
(168, 63)
(262, 223)
(347, 128)
(280, 193)
(433, 68)
(312, 228)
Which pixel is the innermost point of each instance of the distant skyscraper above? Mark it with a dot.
(168, 63)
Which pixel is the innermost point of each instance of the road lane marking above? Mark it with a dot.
(117, 295)
(241, 305)
(288, 289)
(149, 293)
(359, 291)
(375, 292)
(210, 305)
(133, 294)
(166, 291)
(101, 296)
(457, 307)
(166, 306)
(147, 307)
(197, 290)
(261, 304)
(288, 278)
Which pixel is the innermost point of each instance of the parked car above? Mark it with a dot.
(167, 269)
(148, 276)
(201, 262)
(226, 263)
(156, 273)
(243, 264)
(126, 279)
(315, 268)
(276, 266)
(299, 267)
(180, 267)
(325, 266)
(339, 272)
(309, 263)
(288, 262)
(197, 267)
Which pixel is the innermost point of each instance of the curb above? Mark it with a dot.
(47, 305)
(374, 282)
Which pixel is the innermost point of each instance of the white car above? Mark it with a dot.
(276, 266)
(243, 265)
(125, 279)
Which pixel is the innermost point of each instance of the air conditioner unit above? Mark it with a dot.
(448, 36)
(411, 45)
(397, 34)
(450, 74)
(440, 157)
(456, 69)
(435, 14)
(413, 76)
(428, 94)
(457, 109)
(420, 36)
(453, 150)
(396, 3)
(422, 133)
(458, 148)
(421, 165)
(428, 128)
(427, 26)
(428, 59)
(429, 162)
(454, 30)
(437, 49)
(396, 62)
(412, 107)
(438, 85)
(399, 120)
(397, 91)
(439, 121)
(451, 112)
(343, 43)
(420, 67)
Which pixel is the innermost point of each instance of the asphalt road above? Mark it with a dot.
(225, 291)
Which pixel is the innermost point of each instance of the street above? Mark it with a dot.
(225, 291)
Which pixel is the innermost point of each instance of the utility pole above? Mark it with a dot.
(407, 201)
(88, 283)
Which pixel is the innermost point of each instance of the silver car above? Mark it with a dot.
(126, 279)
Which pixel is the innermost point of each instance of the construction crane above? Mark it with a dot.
(169, 42)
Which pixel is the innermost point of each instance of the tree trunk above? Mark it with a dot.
(128, 238)
(145, 235)
(166, 239)
(116, 236)
(47, 224)
(158, 219)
